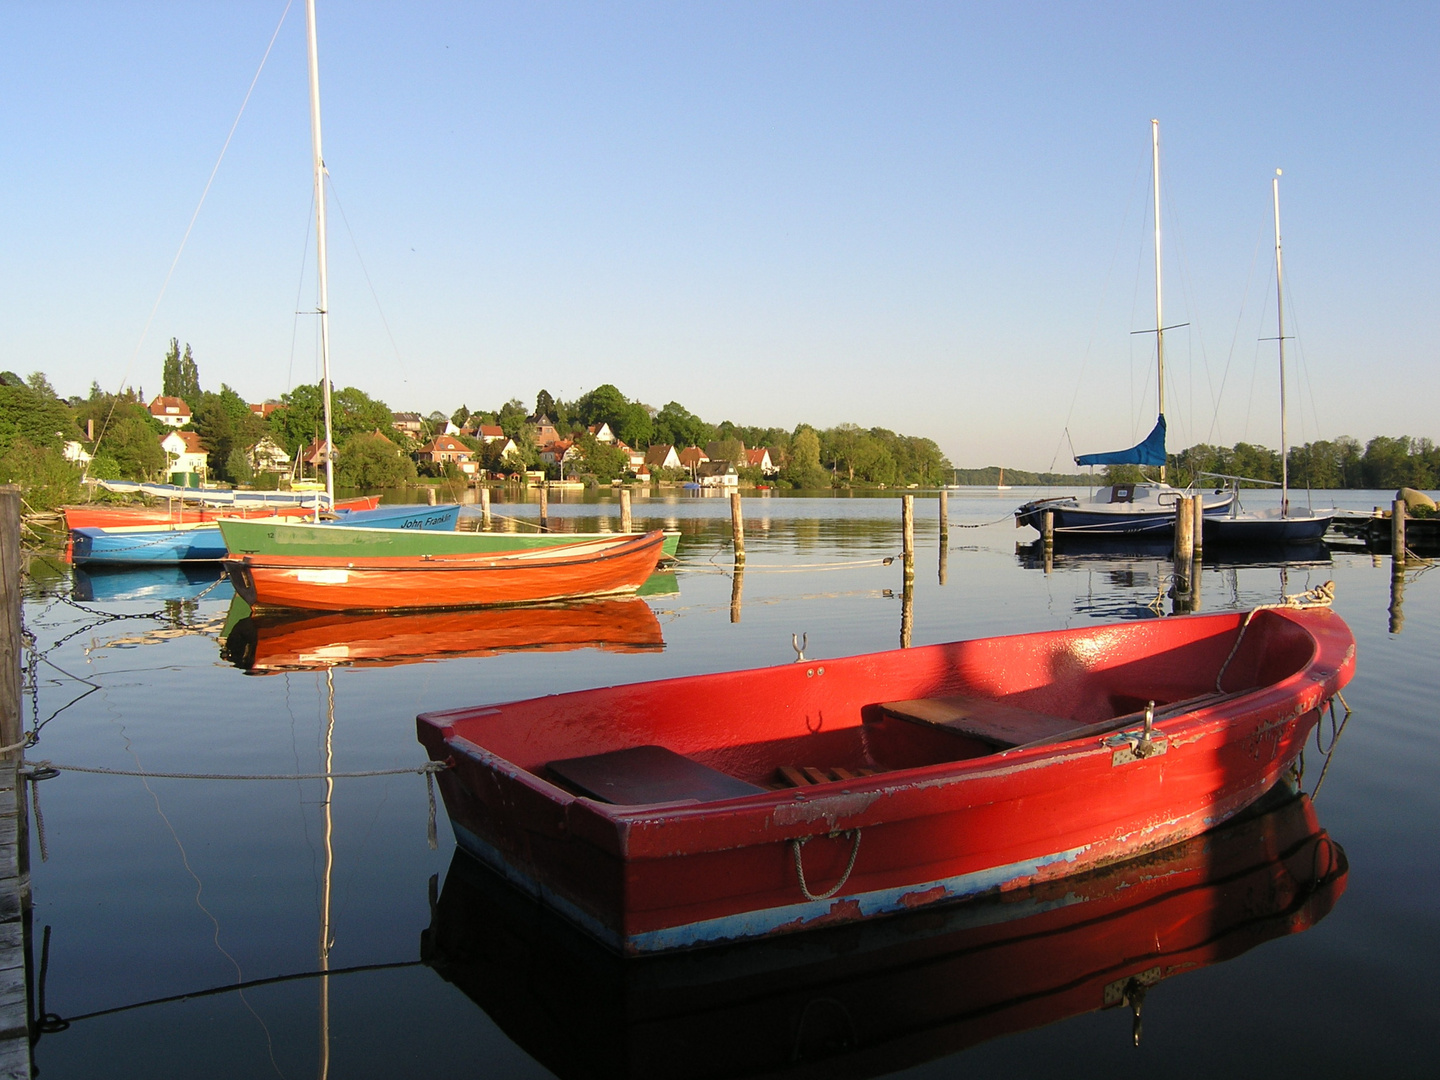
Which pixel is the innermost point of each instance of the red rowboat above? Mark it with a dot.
(593, 568)
(120, 517)
(705, 809)
(874, 998)
(267, 643)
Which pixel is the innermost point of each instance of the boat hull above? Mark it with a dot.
(1261, 528)
(941, 817)
(204, 542)
(299, 538)
(875, 998)
(617, 565)
(120, 517)
(1101, 517)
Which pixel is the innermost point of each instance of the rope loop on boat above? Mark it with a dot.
(796, 845)
(1335, 732)
(1320, 596)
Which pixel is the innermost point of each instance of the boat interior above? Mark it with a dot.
(748, 733)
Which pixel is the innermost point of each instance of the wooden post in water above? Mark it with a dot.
(737, 590)
(1047, 528)
(1195, 568)
(907, 533)
(15, 1011)
(430, 494)
(544, 508)
(1184, 533)
(1397, 534)
(624, 510)
(737, 529)
(944, 559)
(485, 507)
(944, 519)
(1397, 599)
(907, 612)
(1197, 516)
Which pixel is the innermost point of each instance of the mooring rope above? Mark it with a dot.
(795, 846)
(428, 769)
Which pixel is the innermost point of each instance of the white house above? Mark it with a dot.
(185, 452)
(269, 456)
(171, 411)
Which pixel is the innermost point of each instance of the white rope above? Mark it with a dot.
(795, 846)
(1319, 596)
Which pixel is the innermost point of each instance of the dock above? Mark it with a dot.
(15, 1047)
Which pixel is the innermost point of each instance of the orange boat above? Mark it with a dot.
(268, 643)
(120, 517)
(611, 566)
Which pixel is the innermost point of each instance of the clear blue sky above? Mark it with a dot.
(927, 217)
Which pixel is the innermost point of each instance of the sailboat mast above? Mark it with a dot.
(320, 244)
(1159, 311)
(1280, 318)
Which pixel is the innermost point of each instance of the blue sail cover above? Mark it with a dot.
(1149, 452)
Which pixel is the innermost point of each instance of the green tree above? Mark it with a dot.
(229, 430)
(47, 478)
(370, 461)
(37, 419)
(604, 461)
(544, 405)
(676, 425)
(134, 445)
(180, 376)
(803, 469)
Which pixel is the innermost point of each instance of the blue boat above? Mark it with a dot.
(202, 542)
(155, 582)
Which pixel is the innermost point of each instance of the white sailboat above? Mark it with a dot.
(1147, 507)
(1284, 524)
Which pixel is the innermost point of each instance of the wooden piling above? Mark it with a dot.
(1397, 533)
(485, 508)
(430, 494)
(1197, 514)
(1047, 528)
(944, 519)
(737, 591)
(944, 560)
(907, 612)
(544, 508)
(907, 534)
(1397, 599)
(1184, 534)
(15, 1009)
(624, 510)
(737, 528)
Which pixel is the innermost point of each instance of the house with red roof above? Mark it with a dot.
(447, 448)
(170, 410)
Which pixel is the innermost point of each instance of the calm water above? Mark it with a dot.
(163, 888)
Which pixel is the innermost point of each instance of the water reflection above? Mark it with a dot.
(184, 581)
(875, 997)
(295, 641)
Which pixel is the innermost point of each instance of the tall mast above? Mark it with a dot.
(320, 244)
(1280, 318)
(1159, 313)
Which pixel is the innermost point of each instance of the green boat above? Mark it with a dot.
(270, 536)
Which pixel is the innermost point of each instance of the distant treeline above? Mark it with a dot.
(1384, 462)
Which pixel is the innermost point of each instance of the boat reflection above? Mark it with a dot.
(299, 641)
(874, 997)
(177, 581)
(1071, 551)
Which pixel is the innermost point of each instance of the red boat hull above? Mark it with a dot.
(874, 998)
(593, 568)
(940, 816)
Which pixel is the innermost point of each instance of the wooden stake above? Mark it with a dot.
(1197, 515)
(544, 508)
(907, 531)
(944, 519)
(624, 510)
(1184, 534)
(1397, 533)
(737, 528)
(485, 508)
(430, 494)
(737, 590)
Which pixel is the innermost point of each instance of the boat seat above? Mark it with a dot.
(806, 775)
(648, 774)
(990, 721)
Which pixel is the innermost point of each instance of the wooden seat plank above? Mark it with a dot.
(981, 718)
(648, 774)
